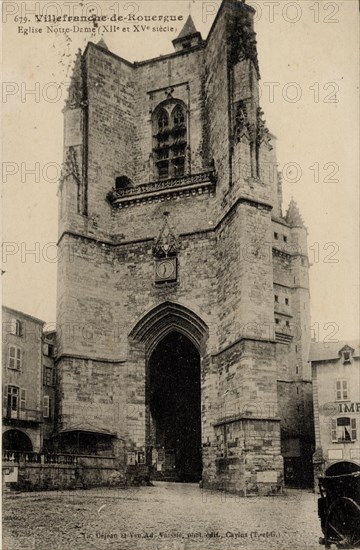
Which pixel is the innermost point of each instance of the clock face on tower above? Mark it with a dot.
(166, 270)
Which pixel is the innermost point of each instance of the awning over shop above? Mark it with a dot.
(86, 428)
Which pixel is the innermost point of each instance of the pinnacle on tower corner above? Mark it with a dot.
(102, 44)
(293, 216)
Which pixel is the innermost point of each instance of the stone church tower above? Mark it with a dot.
(183, 295)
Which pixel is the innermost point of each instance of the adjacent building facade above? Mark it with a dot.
(27, 404)
(183, 294)
(49, 387)
(336, 391)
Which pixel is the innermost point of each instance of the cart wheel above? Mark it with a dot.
(342, 525)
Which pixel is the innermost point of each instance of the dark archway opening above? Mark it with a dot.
(342, 468)
(174, 400)
(14, 440)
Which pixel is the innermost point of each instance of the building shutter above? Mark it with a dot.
(46, 407)
(333, 430)
(13, 326)
(345, 389)
(22, 399)
(5, 396)
(18, 358)
(12, 357)
(338, 390)
(19, 328)
(353, 429)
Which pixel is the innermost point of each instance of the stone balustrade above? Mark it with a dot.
(17, 457)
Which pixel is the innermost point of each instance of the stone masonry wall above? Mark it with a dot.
(230, 266)
(29, 376)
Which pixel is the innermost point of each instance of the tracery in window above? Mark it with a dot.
(178, 116)
(163, 120)
(170, 138)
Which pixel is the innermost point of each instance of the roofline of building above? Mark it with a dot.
(49, 332)
(193, 49)
(17, 311)
(222, 6)
(135, 64)
(316, 362)
(108, 52)
(332, 358)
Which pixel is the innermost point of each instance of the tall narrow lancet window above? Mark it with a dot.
(170, 140)
(178, 141)
(162, 148)
(178, 116)
(163, 120)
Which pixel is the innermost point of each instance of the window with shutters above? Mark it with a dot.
(46, 406)
(15, 358)
(16, 327)
(341, 390)
(353, 429)
(343, 429)
(48, 350)
(333, 430)
(22, 399)
(14, 400)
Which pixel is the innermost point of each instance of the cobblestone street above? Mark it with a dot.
(167, 516)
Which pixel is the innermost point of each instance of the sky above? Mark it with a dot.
(308, 57)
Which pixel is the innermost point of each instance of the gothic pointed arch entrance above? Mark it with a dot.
(172, 342)
(174, 402)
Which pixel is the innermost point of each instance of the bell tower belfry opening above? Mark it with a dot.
(174, 408)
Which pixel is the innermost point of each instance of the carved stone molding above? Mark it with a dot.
(242, 41)
(161, 190)
(262, 134)
(166, 244)
(70, 166)
(241, 129)
(75, 91)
